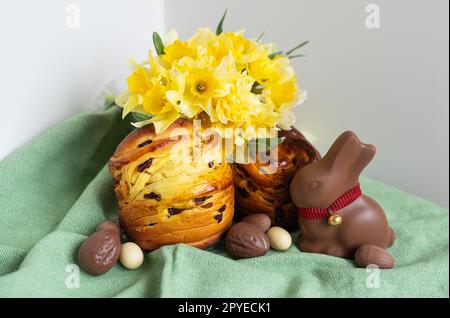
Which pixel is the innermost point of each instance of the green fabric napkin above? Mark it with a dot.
(54, 191)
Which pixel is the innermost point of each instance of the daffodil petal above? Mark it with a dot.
(130, 105)
(182, 104)
(143, 123)
(225, 67)
(188, 109)
(202, 38)
(122, 98)
(178, 80)
(163, 121)
(171, 37)
(134, 65)
(302, 96)
(140, 110)
(207, 107)
(287, 120)
(174, 97)
(220, 110)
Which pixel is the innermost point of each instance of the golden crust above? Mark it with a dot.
(145, 140)
(164, 198)
(259, 192)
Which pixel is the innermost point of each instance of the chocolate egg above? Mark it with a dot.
(261, 220)
(246, 240)
(108, 225)
(101, 250)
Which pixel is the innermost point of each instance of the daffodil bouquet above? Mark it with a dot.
(223, 78)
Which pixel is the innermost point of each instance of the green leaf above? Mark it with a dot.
(271, 56)
(136, 117)
(296, 48)
(219, 28)
(260, 37)
(296, 55)
(257, 88)
(158, 43)
(264, 144)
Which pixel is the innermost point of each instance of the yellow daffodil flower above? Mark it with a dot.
(177, 97)
(175, 51)
(282, 94)
(228, 80)
(139, 81)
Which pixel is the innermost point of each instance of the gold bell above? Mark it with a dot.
(334, 219)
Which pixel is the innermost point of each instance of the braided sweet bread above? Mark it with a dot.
(165, 197)
(260, 192)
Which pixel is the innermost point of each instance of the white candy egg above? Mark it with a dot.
(131, 255)
(279, 238)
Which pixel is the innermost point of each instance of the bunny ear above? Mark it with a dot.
(367, 152)
(341, 148)
(349, 155)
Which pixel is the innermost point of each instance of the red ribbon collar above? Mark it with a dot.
(344, 200)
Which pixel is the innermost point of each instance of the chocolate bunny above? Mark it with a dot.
(335, 218)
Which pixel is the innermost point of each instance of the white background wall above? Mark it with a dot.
(49, 72)
(390, 85)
